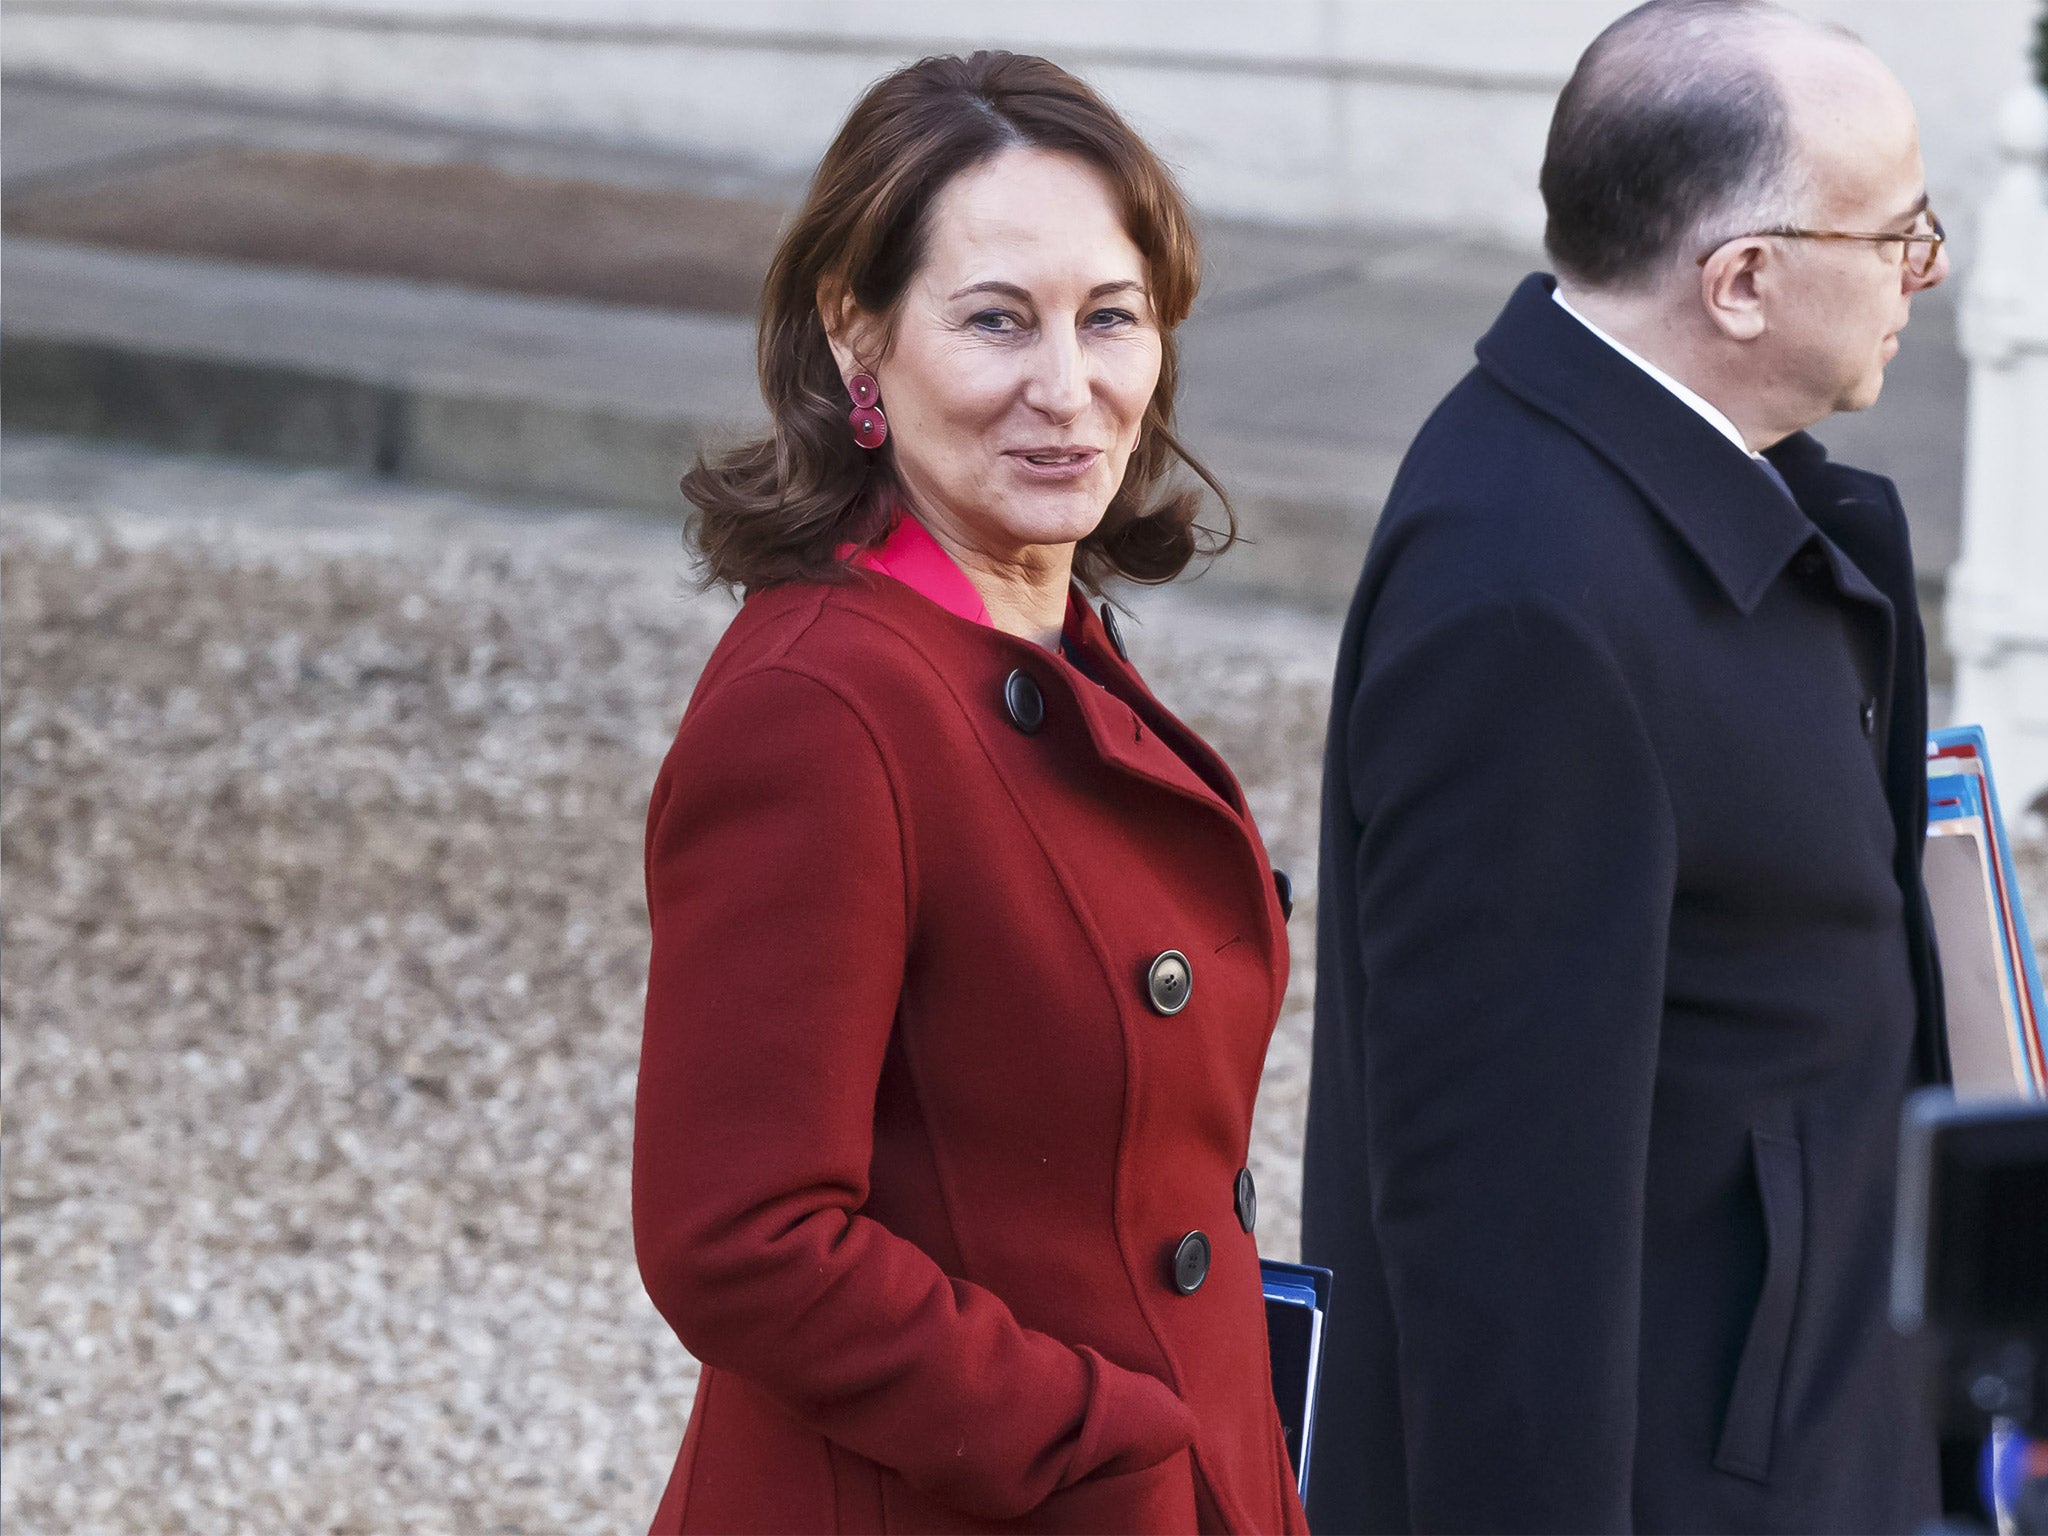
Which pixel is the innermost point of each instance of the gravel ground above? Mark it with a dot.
(324, 949)
(324, 946)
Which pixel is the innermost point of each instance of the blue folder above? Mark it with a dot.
(1996, 1012)
(1297, 1302)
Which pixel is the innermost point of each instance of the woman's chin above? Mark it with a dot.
(1073, 524)
(1053, 514)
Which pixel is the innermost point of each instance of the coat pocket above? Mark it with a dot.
(1158, 1498)
(1751, 1421)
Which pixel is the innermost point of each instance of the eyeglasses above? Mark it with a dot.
(1920, 248)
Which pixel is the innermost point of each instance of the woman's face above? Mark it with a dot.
(1025, 353)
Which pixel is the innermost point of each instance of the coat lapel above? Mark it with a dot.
(1129, 729)
(1135, 733)
(1713, 496)
(1859, 514)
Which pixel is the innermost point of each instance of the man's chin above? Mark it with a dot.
(1862, 395)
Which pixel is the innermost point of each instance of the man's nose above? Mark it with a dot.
(1935, 274)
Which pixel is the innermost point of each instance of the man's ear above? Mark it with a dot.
(1734, 285)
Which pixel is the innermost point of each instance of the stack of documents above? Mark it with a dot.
(1297, 1300)
(1989, 974)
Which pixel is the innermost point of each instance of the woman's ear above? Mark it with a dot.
(846, 327)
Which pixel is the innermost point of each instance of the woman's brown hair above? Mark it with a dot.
(780, 507)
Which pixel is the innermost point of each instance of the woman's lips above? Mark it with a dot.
(1054, 464)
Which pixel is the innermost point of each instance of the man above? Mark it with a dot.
(1623, 957)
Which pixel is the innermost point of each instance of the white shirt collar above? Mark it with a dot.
(1706, 410)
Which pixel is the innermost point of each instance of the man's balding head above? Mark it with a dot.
(1732, 193)
(1674, 129)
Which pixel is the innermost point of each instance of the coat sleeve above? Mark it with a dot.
(1515, 876)
(779, 892)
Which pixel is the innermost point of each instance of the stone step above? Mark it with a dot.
(555, 399)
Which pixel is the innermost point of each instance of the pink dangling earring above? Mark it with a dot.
(870, 426)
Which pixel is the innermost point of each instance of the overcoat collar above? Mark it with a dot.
(1123, 724)
(1110, 698)
(1715, 498)
(1175, 757)
(1858, 511)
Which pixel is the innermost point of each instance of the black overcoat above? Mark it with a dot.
(1623, 972)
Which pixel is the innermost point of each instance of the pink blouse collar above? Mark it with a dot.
(913, 557)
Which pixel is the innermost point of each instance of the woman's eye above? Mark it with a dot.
(1111, 319)
(994, 321)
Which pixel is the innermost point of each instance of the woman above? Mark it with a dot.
(966, 952)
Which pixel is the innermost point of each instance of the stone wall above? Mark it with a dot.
(1425, 114)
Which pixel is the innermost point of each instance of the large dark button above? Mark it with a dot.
(1116, 635)
(1168, 982)
(1284, 889)
(1191, 1263)
(1809, 563)
(1870, 717)
(1024, 702)
(1247, 1200)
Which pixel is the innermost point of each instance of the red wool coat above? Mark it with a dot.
(915, 1150)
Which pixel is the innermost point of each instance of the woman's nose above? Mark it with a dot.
(1058, 386)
